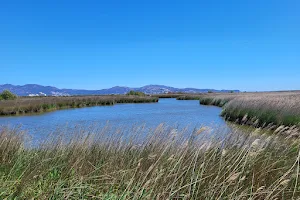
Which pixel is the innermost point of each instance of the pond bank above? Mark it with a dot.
(275, 111)
(25, 105)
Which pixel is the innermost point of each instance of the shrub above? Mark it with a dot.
(136, 93)
(7, 95)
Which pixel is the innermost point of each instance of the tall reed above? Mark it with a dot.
(259, 109)
(165, 163)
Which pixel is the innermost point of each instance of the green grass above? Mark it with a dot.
(260, 118)
(104, 164)
(45, 104)
(136, 93)
(215, 101)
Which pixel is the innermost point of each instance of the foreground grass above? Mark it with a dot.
(45, 104)
(163, 164)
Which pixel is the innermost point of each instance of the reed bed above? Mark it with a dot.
(216, 99)
(44, 104)
(181, 96)
(258, 109)
(166, 164)
(172, 95)
(190, 97)
(264, 109)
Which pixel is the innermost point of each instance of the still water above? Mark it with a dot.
(180, 114)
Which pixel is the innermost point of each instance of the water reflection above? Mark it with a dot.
(174, 114)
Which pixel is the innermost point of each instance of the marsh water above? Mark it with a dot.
(180, 114)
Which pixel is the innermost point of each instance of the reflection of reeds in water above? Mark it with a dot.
(101, 164)
(43, 104)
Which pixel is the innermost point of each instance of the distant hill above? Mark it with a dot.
(34, 89)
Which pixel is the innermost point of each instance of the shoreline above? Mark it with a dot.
(269, 111)
(29, 106)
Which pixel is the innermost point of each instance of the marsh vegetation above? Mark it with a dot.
(161, 163)
(168, 164)
(136, 93)
(7, 95)
(27, 105)
(260, 109)
(268, 109)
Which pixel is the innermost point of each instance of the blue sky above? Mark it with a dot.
(247, 45)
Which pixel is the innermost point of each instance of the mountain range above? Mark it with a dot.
(34, 89)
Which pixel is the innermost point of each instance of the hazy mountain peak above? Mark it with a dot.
(29, 89)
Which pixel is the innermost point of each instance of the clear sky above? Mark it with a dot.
(234, 44)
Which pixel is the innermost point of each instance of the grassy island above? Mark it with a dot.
(28, 105)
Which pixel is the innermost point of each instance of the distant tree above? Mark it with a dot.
(209, 91)
(231, 91)
(7, 95)
(136, 93)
